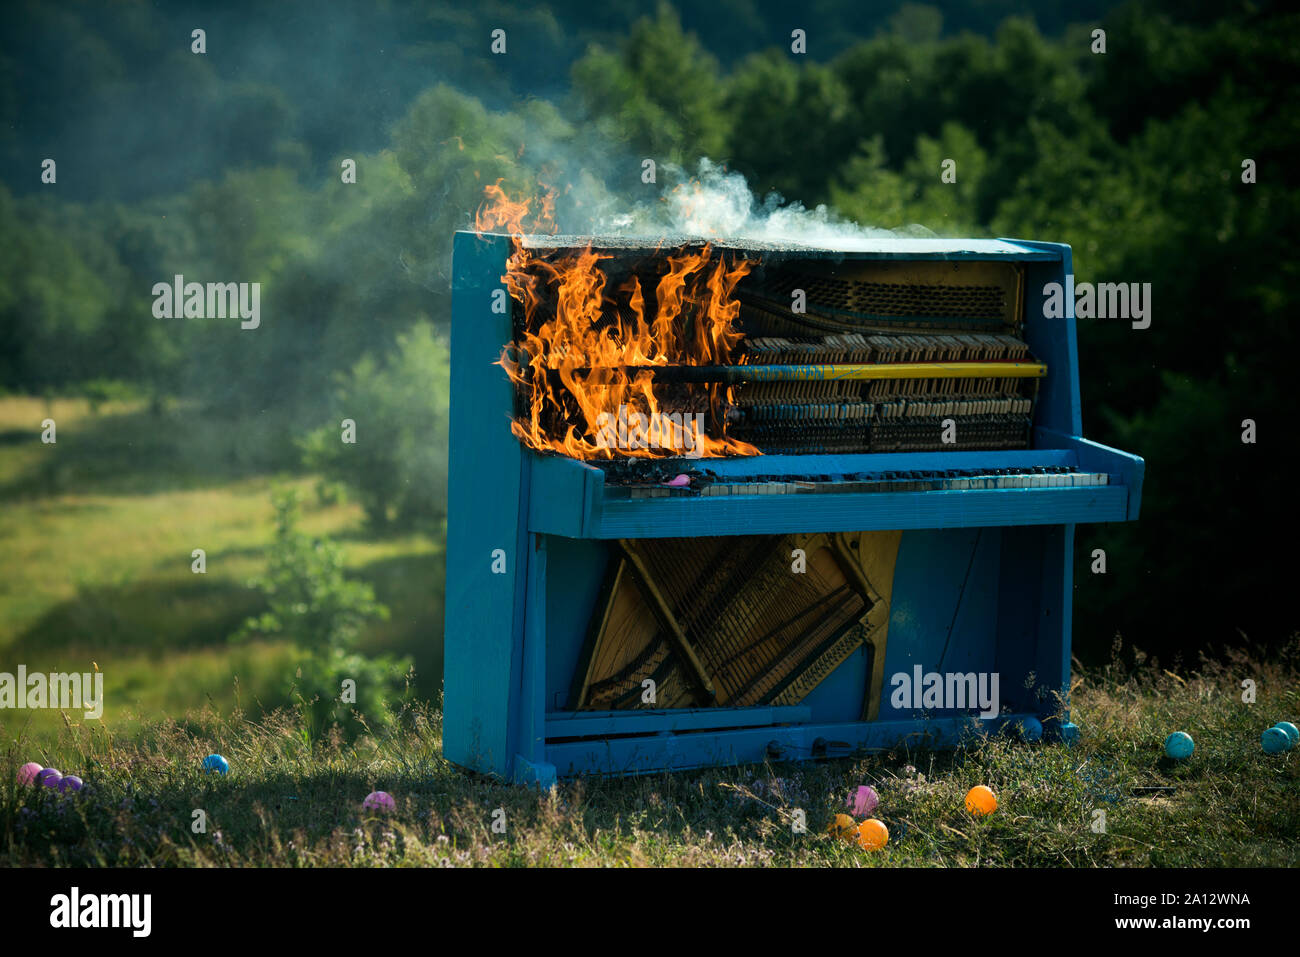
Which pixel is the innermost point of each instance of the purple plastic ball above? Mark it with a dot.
(50, 777)
(69, 782)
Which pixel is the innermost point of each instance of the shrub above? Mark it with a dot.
(397, 467)
(312, 603)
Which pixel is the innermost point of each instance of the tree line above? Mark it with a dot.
(1133, 155)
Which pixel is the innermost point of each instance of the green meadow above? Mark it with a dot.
(294, 800)
(97, 531)
(95, 572)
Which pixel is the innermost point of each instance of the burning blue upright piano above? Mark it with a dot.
(720, 503)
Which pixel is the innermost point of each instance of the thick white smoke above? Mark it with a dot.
(716, 203)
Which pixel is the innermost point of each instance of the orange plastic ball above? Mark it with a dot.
(872, 834)
(843, 827)
(981, 800)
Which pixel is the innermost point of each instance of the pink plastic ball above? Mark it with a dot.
(27, 773)
(379, 801)
(864, 799)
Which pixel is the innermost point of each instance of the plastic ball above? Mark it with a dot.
(27, 773)
(981, 800)
(1030, 730)
(843, 827)
(863, 800)
(215, 762)
(70, 782)
(49, 777)
(872, 834)
(1291, 730)
(1179, 745)
(1275, 741)
(379, 801)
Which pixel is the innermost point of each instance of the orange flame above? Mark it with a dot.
(499, 212)
(579, 336)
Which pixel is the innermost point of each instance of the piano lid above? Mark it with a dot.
(840, 247)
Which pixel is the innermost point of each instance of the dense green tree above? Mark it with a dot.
(870, 192)
(659, 92)
(396, 463)
(61, 284)
(787, 122)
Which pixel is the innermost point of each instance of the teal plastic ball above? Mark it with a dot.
(1275, 741)
(1179, 745)
(1291, 730)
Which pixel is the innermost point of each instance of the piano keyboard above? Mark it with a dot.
(887, 481)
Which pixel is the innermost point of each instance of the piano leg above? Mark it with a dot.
(1062, 732)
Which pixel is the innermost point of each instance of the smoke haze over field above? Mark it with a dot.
(114, 92)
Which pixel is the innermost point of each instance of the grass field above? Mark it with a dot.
(290, 802)
(96, 535)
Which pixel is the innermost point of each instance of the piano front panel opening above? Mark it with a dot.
(735, 622)
(700, 353)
